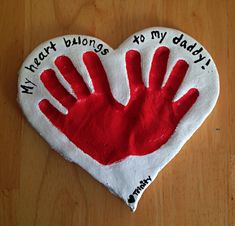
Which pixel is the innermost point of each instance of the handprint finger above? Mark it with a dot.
(158, 67)
(97, 73)
(175, 79)
(72, 76)
(53, 85)
(181, 106)
(133, 67)
(55, 116)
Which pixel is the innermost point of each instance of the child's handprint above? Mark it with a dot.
(107, 130)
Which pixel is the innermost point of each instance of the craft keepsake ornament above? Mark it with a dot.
(121, 114)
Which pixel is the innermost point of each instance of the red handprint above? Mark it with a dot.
(107, 130)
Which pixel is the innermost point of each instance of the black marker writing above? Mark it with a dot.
(27, 87)
(139, 188)
(98, 47)
(138, 39)
(190, 47)
(207, 63)
(159, 35)
(41, 56)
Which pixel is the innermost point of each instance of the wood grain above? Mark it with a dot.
(38, 187)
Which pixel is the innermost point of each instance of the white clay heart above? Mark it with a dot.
(122, 146)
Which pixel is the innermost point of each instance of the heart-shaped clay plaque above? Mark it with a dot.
(121, 114)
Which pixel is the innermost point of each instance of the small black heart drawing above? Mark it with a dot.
(131, 199)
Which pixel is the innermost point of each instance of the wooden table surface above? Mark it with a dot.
(38, 187)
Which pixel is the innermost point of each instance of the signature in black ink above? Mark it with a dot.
(139, 188)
